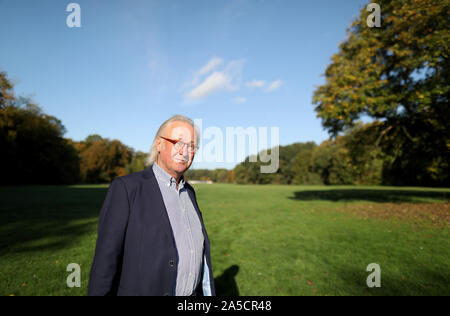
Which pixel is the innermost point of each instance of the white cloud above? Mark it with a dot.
(215, 82)
(255, 84)
(197, 75)
(210, 66)
(240, 100)
(217, 76)
(275, 85)
(227, 79)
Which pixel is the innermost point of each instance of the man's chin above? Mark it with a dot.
(181, 165)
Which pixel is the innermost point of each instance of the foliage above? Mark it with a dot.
(137, 163)
(364, 153)
(349, 159)
(102, 160)
(331, 162)
(398, 75)
(34, 150)
(33, 147)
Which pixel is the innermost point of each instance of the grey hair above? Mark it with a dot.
(176, 118)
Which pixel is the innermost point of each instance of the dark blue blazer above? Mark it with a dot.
(135, 252)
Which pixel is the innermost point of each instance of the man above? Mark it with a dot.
(151, 236)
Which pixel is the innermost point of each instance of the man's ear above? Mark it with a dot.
(158, 144)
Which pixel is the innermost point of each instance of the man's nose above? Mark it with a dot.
(181, 150)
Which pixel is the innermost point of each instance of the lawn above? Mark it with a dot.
(266, 240)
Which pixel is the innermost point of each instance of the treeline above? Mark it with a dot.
(349, 159)
(358, 157)
(34, 151)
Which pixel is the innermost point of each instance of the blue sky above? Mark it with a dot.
(133, 64)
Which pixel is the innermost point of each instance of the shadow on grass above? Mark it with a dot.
(226, 283)
(375, 195)
(40, 218)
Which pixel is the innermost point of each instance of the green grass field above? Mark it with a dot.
(266, 240)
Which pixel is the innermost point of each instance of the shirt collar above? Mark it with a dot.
(166, 178)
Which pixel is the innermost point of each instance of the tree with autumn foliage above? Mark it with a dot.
(396, 74)
(101, 159)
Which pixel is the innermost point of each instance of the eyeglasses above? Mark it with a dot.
(178, 144)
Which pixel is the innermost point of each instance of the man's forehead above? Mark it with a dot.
(181, 131)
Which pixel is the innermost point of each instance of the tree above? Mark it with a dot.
(6, 91)
(303, 165)
(331, 161)
(250, 172)
(92, 138)
(102, 160)
(397, 75)
(33, 148)
(365, 155)
(138, 162)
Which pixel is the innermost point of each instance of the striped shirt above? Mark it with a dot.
(187, 231)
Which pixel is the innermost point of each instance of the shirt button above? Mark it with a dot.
(171, 263)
